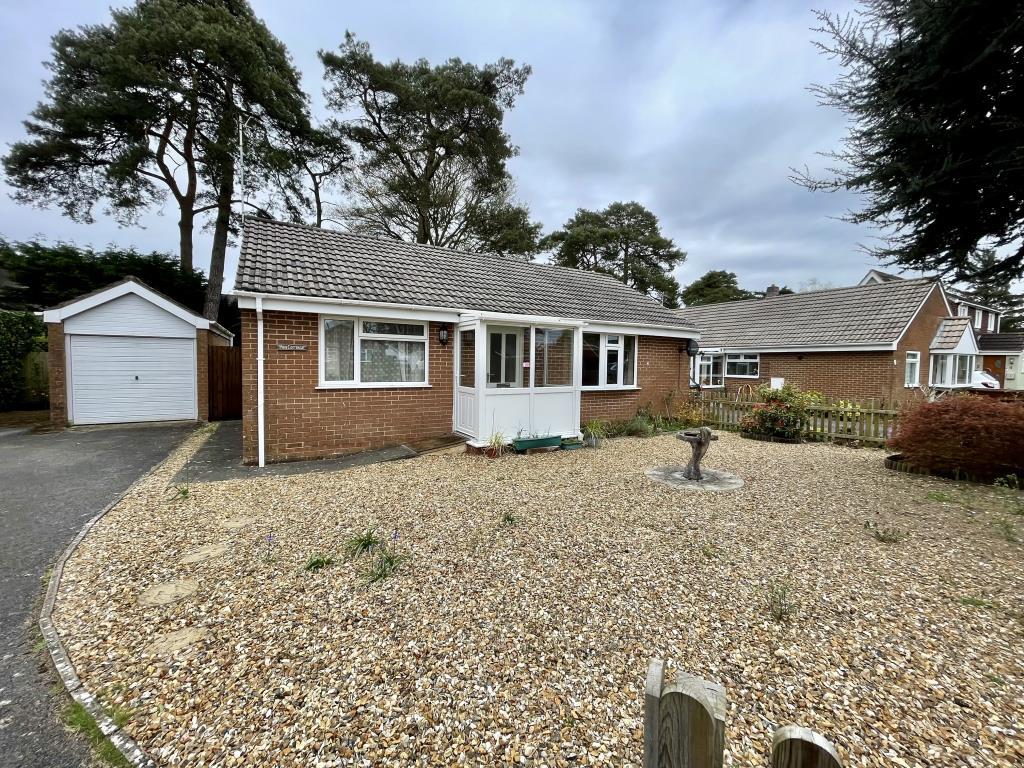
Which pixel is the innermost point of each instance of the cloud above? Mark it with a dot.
(696, 109)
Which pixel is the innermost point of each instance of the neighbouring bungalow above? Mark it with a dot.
(351, 342)
(1004, 358)
(883, 339)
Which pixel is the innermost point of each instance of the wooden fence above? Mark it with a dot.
(225, 383)
(867, 421)
(684, 727)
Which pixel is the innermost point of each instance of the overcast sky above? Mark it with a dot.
(695, 109)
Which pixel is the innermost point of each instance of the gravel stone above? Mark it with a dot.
(533, 593)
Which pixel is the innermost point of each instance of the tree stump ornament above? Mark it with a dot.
(699, 440)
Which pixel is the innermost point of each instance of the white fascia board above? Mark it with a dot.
(316, 304)
(60, 314)
(836, 348)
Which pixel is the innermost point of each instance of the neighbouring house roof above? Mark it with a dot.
(965, 298)
(876, 313)
(298, 260)
(130, 284)
(878, 276)
(950, 332)
(1001, 342)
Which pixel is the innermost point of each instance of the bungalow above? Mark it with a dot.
(882, 339)
(350, 343)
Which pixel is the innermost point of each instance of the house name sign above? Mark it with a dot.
(291, 347)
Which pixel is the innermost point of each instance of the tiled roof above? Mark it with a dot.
(293, 259)
(869, 314)
(1003, 342)
(950, 332)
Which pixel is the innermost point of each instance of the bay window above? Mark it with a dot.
(609, 360)
(355, 351)
(742, 366)
(953, 370)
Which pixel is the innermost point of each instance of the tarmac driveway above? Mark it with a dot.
(50, 485)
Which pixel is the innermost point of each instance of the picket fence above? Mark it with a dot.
(865, 421)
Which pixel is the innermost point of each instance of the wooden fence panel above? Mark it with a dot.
(225, 383)
(868, 421)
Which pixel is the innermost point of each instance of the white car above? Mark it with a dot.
(982, 380)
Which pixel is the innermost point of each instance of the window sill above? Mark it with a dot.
(609, 389)
(375, 385)
(737, 376)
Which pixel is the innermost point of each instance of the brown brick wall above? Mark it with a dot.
(663, 375)
(850, 375)
(203, 340)
(58, 375)
(305, 422)
(917, 339)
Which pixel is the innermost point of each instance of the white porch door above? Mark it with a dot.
(466, 411)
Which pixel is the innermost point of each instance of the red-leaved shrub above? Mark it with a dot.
(964, 435)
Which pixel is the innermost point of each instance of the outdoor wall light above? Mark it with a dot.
(442, 335)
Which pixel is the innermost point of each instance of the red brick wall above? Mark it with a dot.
(58, 375)
(663, 375)
(850, 375)
(202, 374)
(305, 422)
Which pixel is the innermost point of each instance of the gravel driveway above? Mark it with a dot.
(535, 591)
(50, 485)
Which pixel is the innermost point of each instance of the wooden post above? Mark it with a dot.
(796, 747)
(684, 721)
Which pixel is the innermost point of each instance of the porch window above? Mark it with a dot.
(506, 353)
(591, 359)
(609, 360)
(552, 357)
(742, 366)
(467, 358)
(912, 370)
(711, 370)
(373, 352)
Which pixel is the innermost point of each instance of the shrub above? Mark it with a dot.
(20, 333)
(964, 436)
(639, 426)
(780, 412)
(690, 414)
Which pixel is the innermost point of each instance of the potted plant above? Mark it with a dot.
(594, 433)
(496, 446)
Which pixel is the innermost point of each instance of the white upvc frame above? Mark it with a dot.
(710, 356)
(742, 357)
(991, 322)
(951, 365)
(914, 357)
(357, 362)
(602, 361)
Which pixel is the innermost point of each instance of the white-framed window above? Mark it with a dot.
(991, 322)
(742, 366)
(507, 350)
(711, 370)
(962, 310)
(912, 370)
(372, 352)
(977, 318)
(609, 361)
(951, 370)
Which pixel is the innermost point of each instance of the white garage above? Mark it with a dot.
(130, 355)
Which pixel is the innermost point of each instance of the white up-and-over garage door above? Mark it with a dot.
(131, 378)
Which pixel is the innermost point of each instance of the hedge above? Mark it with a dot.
(20, 333)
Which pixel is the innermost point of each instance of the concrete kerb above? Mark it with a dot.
(62, 662)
